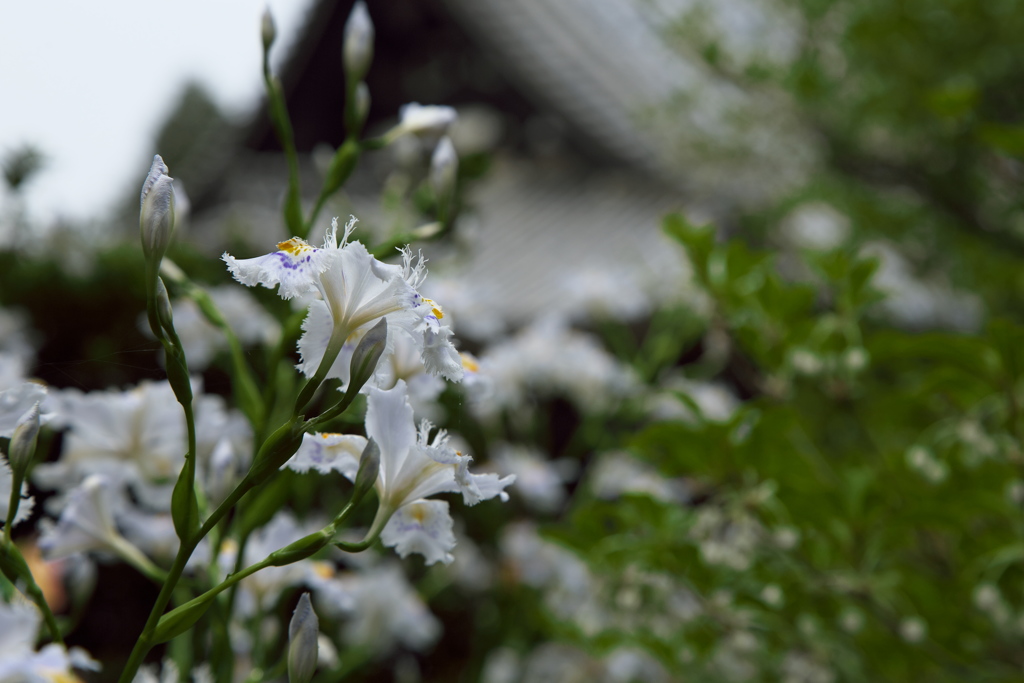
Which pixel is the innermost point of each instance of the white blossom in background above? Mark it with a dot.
(137, 438)
(424, 120)
(259, 592)
(549, 358)
(20, 661)
(614, 293)
(924, 462)
(355, 292)
(735, 656)
(16, 339)
(801, 667)
(539, 481)
(167, 672)
(628, 664)
(715, 401)
(727, 538)
(920, 303)
(13, 370)
(472, 570)
(617, 473)
(817, 226)
(569, 589)
(154, 535)
(387, 612)
(469, 305)
(87, 523)
(6, 482)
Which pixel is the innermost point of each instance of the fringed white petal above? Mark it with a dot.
(424, 527)
(440, 357)
(478, 487)
(294, 268)
(325, 452)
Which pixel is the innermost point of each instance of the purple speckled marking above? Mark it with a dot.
(286, 260)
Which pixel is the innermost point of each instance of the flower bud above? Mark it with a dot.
(358, 50)
(367, 354)
(369, 470)
(268, 31)
(156, 217)
(303, 633)
(419, 119)
(444, 167)
(164, 311)
(23, 441)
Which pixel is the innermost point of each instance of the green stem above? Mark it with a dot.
(16, 569)
(384, 513)
(144, 643)
(334, 345)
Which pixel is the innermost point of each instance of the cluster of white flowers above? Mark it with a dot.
(726, 538)
(552, 662)
(122, 451)
(617, 473)
(549, 358)
(20, 661)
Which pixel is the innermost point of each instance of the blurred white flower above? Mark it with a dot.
(800, 667)
(549, 358)
(617, 473)
(87, 524)
(714, 401)
(259, 592)
(724, 538)
(540, 482)
(817, 226)
(920, 303)
(419, 119)
(387, 612)
(19, 660)
(135, 437)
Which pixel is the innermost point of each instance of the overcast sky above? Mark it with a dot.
(89, 83)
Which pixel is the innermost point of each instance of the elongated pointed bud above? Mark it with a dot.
(268, 31)
(358, 50)
(369, 470)
(156, 215)
(303, 633)
(164, 311)
(23, 442)
(367, 354)
(444, 168)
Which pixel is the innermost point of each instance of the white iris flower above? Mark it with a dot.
(413, 466)
(356, 290)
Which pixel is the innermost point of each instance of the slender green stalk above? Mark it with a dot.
(334, 345)
(16, 569)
